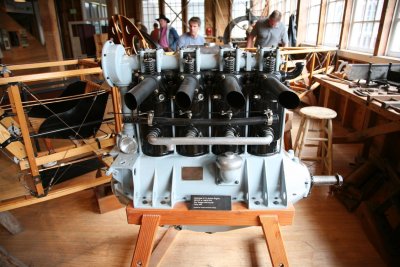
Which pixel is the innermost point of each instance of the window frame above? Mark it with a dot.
(328, 2)
(353, 11)
(395, 23)
(306, 41)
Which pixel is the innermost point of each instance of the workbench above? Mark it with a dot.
(367, 121)
(372, 190)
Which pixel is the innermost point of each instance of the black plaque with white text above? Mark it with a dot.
(210, 202)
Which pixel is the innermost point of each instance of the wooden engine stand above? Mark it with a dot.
(150, 219)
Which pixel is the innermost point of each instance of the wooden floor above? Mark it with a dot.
(69, 231)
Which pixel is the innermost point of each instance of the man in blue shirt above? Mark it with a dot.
(192, 37)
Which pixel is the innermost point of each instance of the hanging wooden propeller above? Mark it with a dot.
(123, 32)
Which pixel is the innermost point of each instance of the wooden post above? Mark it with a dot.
(321, 22)
(312, 66)
(116, 109)
(344, 34)
(327, 61)
(286, 62)
(16, 104)
(185, 23)
(50, 28)
(273, 238)
(145, 240)
(382, 39)
(162, 247)
(161, 6)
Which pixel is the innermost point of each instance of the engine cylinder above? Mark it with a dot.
(233, 92)
(140, 92)
(186, 91)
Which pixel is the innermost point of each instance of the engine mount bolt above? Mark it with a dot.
(181, 77)
(141, 78)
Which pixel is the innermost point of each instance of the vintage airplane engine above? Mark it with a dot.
(204, 121)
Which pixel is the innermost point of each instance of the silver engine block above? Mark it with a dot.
(205, 121)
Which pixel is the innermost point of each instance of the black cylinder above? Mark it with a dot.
(286, 97)
(294, 73)
(185, 93)
(140, 92)
(233, 93)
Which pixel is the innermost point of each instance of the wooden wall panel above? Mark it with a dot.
(48, 16)
(35, 52)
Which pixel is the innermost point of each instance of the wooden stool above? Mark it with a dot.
(325, 115)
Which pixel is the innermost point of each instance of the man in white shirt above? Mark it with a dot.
(192, 37)
(269, 32)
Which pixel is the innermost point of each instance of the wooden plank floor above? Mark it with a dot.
(70, 232)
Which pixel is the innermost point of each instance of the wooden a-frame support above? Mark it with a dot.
(149, 221)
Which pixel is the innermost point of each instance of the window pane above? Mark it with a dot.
(258, 7)
(359, 10)
(196, 9)
(364, 25)
(238, 8)
(312, 21)
(150, 13)
(355, 34)
(172, 9)
(395, 46)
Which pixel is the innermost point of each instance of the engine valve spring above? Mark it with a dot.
(189, 65)
(230, 133)
(269, 64)
(192, 133)
(149, 65)
(229, 64)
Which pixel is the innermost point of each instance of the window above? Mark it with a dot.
(239, 8)
(150, 13)
(173, 11)
(394, 40)
(195, 8)
(333, 23)
(95, 12)
(276, 5)
(290, 9)
(364, 25)
(258, 7)
(312, 22)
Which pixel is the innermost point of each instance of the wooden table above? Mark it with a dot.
(369, 122)
(372, 189)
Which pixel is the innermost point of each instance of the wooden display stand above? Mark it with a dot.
(150, 219)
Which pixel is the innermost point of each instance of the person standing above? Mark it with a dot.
(168, 37)
(155, 32)
(269, 32)
(192, 37)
